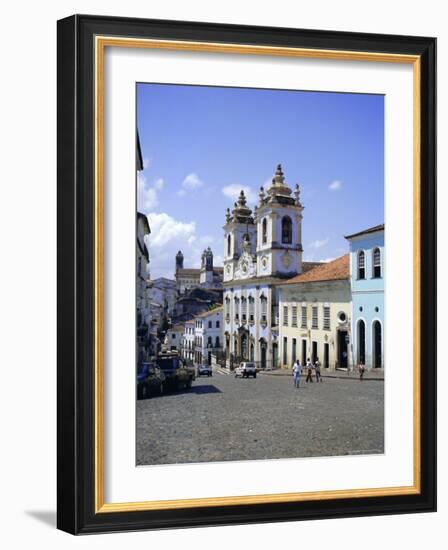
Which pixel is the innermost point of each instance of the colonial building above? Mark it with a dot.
(164, 292)
(315, 316)
(208, 335)
(207, 276)
(173, 338)
(367, 286)
(263, 248)
(188, 340)
(195, 301)
(142, 305)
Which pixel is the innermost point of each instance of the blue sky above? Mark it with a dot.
(201, 145)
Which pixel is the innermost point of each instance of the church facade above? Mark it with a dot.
(207, 276)
(262, 249)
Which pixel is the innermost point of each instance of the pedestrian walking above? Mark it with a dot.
(317, 370)
(309, 371)
(297, 373)
(362, 369)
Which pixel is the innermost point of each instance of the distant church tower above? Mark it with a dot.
(279, 229)
(179, 260)
(206, 276)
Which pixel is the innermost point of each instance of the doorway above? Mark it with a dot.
(361, 356)
(377, 355)
(263, 355)
(326, 356)
(313, 352)
(342, 349)
(303, 352)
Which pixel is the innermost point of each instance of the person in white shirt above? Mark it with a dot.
(297, 372)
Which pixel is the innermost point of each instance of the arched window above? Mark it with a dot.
(264, 231)
(217, 342)
(229, 245)
(361, 265)
(286, 230)
(376, 262)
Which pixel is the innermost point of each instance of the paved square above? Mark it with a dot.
(225, 418)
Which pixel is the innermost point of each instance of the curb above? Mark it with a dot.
(337, 376)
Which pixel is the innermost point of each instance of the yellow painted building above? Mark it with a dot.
(314, 316)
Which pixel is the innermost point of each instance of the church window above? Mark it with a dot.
(361, 265)
(286, 230)
(264, 231)
(251, 308)
(264, 308)
(237, 308)
(376, 263)
(229, 245)
(244, 308)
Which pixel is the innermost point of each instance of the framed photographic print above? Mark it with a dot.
(246, 274)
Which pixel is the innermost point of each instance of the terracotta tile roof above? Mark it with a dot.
(177, 328)
(209, 312)
(306, 266)
(366, 231)
(189, 271)
(331, 271)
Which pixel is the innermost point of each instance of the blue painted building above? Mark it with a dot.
(367, 286)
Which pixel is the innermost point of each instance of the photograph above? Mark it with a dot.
(260, 274)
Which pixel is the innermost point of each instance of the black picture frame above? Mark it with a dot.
(76, 255)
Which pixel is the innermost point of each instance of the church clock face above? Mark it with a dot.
(264, 263)
(286, 260)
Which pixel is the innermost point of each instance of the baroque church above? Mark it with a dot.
(208, 276)
(263, 248)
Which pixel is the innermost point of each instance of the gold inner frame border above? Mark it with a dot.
(101, 42)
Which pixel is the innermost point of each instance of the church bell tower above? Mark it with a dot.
(279, 229)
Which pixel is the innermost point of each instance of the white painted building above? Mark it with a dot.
(173, 338)
(188, 339)
(208, 335)
(262, 249)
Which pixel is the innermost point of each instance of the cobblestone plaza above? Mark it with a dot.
(225, 418)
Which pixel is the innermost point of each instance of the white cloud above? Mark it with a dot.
(319, 243)
(233, 190)
(165, 229)
(326, 260)
(335, 185)
(181, 193)
(169, 235)
(159, 184)
(192, 181)
(146, 195)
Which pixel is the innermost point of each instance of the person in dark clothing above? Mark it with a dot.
(317, 370)
(309, 371)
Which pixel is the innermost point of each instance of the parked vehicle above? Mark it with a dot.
(150, 380)
(245, 370)
(205, 370)
(177, 373)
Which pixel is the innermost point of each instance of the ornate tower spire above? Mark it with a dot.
(279, 190)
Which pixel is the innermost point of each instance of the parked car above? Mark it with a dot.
(150, 380)
(245, 370)
(177, 373)
(205, 370)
